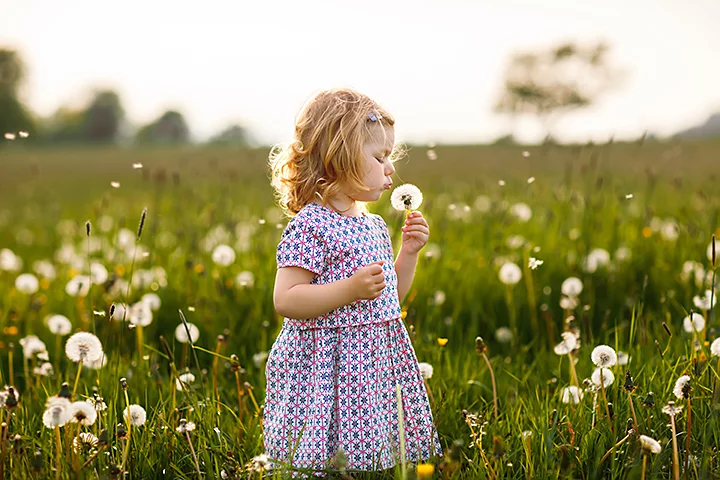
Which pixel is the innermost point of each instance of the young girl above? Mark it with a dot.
(332, 371)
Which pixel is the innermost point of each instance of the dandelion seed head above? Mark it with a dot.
(602, 377)
(32, 346)
(85, 441)
(572, 394)
(184, 380)
(140, 314)
(572, 287)
(694, 322)
(503, 335)
(682, 387)
(182, 336)
(185, 426)
(510, 273)
(83, 413)
(27, 283)
(568, 345)
(83, 347)
(715, 348)
(134, 415)
(426, 370)
(672, 409)
(58, 325)
(649, 444)
(603, 356)
(406, 197)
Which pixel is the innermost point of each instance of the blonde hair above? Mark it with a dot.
(326, 154)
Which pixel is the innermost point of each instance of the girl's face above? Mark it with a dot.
(378, 168)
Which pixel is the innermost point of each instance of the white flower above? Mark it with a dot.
(597, 258)
(185, 426)
(32, 345)
(697, 323)
(607, 377)
(245, 279)
(681, 386)
(134, 415)
(182, 336)
(510, 273)
(715, 348)
(706, 302)
(82, 412)
(426, 370)
(58, 324)
(623, 358)
(223, 255)
(184, 380)
(406, 197)
(572, 394)
(57, 412)
(572, 287)
(79, 285)
(84, 439)
(649, 445)
(521, 211)
(603, 356)
(503, 335)
(83, 347)
(140, 314)
(27, 283)
(152, 300)
(533, 263)
(568, 344)
(259, 358)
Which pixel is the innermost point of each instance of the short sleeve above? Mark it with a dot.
(302, 245)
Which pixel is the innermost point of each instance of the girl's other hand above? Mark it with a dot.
(415, 233)
(369, 281)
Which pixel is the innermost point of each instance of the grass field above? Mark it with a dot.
(633, 222)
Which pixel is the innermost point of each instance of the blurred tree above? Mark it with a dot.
(170, 127)
(549, 83)
(232, 135)
(102, 118)
(14, 116)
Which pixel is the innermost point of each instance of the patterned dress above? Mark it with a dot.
(334, 377)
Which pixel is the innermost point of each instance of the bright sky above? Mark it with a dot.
(437, 66)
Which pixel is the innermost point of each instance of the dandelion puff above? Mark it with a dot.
(181, 334)
(569, 303)
(83, 413)
(568, 344)
(706, 302)
(32, 346)
(672, 409)
(79, 285)
(649, 444)
(85, 441)
(715, 348)
(83, 347)
(607, 377)
(27, 283)
(185, 426)
(245, 279)
(57, 412)
(58, 325)
(682, 387)
(623, 358)
(503, 335)
(510, 273)
(572, 394)
(694, 322)
(45, 370)
(406, 197)
(572, 287)
(259, 358)
(152, 300)
(10, 136)
(135, 415)
(603, 356)
(223, 255)
(140, 314)
(426, 370)
(184, 380)
(533, 263)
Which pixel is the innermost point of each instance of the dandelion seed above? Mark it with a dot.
(568, 344)
(572, 394)
(607, 377)
(83, 347)
(258, 463)
(682, 387)
(27, 283)
(115, 184)
(406, 197)
(431, 155)
(530, 180)
(9, 136)
(649, 444)
(526, 154)
(58, 325)
(629, 196)
(603, 356)
(533, 263)
(137, 165)
(184, 380)
(192, 309)
(572, 287)
(694, 322)
(715, 348)
(134, 415)
(182, 336)
(426, 370)
(501, 183)
(23, 134)
(510, 273)
(83, 413)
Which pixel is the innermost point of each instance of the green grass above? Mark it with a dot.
(580, 200)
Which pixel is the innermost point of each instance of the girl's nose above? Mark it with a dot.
(390, 168)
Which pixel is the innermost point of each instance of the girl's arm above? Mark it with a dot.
(294, 296)
(405, 264)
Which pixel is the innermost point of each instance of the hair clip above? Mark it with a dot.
(374, 117)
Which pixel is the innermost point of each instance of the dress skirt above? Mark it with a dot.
(338, 387)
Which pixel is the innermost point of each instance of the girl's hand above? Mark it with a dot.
(415, 233)
(368, 281)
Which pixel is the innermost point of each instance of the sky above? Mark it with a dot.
(436, 66)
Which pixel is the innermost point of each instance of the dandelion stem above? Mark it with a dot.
(632, 408)
(607, 454)
(676, 456)
(607, 409)
(573, 372)
(10, 365)
(240, 403)
(77, 378)
(139, 334)
(192, 450)
(687, 439)
(58, 452)
(216, 389)
(492, 378)
(644, 466)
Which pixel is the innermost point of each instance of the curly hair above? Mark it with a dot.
(326, 154)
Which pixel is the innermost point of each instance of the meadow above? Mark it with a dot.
(537, 255)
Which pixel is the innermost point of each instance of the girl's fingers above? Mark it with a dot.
(416, 228)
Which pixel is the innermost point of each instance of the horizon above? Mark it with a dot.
(431, 48)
